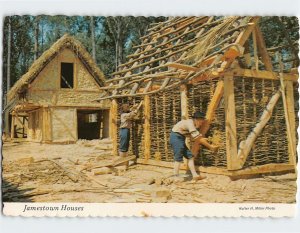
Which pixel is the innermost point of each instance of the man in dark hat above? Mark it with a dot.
(183, 129)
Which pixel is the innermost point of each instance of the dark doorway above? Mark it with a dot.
(92, 124)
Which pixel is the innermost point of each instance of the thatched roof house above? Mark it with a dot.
(52, 100)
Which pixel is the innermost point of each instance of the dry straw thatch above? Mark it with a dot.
(38, 65)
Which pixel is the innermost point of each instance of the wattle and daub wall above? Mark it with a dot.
(251, 97)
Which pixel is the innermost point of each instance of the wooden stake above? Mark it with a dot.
(113, 125)
(291, 112)
(147, 134)
(230, 121)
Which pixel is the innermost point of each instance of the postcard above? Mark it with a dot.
(150, 116)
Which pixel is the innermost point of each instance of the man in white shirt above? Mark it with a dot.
(183, 129)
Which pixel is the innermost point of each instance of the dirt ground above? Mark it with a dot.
(34, 172)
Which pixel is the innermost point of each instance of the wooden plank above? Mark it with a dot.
(261, 74)
(212, 170)
(113, 125)
(291, 113)
(276, 168)
(245, 173)
(147, 133)
(230, 123)
(261, 45)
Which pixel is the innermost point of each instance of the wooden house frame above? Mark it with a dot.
(48, 107)
(222, 59)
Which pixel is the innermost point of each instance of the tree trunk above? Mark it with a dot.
(8, 54)
(120, 53)
(36, 38)
(93, 38)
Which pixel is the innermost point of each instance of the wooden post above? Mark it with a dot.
(113, 115)
(46, 125)
(291, 114)
(230, 123)
(184, 102)
(255, 50)
(12, 129)
(147, 135)
(184, 111)
(292, 151)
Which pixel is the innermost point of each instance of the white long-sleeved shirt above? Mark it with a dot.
(126, 119)
(186, 128)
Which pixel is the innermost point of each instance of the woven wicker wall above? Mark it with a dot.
(165, 113)
(251, 98)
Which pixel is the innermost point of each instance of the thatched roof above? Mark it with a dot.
(38, 65)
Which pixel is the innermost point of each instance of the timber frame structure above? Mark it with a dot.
(219, 65)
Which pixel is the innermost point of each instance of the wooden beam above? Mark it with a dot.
(292, 151)
(292, 116)
(113, 115)
(205, 76)
(243, 37)
(147, 133)
(245, 173)
(12, 129)
(18, 120)
(47, 134)
(261, 74)
(261, 45)
(182, 67)
(255, 50)
(275, 168)
(184, 111)
(184, 101)
(230, 123)
(214, 103)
